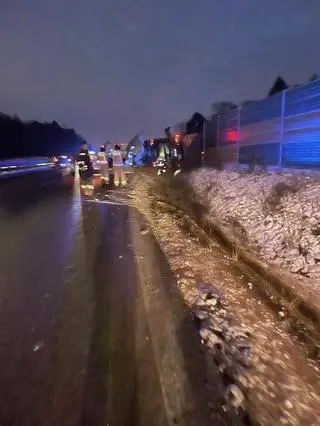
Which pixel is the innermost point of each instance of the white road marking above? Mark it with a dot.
(113, 203)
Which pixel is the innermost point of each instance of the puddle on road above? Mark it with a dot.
(108, 194)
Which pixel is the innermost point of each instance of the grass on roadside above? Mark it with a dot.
(175, 195)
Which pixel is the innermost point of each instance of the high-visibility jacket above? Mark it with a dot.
(85, 165)
(117, 158)
(102, 158)
(83, 158)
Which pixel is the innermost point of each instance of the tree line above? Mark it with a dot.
(32, 138)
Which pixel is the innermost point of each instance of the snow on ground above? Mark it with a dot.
(278, 214)
(261, 365)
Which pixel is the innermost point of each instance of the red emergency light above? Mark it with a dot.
(231, 136)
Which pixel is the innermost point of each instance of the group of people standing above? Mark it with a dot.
(113, 160)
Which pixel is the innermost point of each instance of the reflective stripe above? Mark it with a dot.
(117, 158)
(102, 159)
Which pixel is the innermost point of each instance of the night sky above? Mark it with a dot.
(113, 68)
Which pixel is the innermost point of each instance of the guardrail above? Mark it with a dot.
(20, 166)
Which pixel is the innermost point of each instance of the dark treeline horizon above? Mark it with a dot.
(33, 138)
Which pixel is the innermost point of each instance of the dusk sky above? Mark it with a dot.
(113, 68)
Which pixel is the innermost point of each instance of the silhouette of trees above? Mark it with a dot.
(314, 77)
(278, 86)
(21, 139)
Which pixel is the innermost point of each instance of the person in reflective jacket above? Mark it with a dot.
(118, 167)
(84, 163)
(103, 164)
(85, 169)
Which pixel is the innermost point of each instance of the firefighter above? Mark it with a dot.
(84, 163)
(85, 168)
(103, 164)
(118, 166)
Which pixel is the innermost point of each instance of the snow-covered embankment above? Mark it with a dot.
(276, 214)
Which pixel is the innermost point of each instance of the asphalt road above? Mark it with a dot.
(92, 330)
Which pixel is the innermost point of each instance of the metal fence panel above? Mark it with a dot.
(260, 143)
(228, 136)
(267, 109)
(260, 132)
(282, 130)
(303, 99)
(266, 132)
(301, 135)
(229, 128)
(301, 143)
(265, 154)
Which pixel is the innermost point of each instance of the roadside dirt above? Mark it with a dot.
(269, 374)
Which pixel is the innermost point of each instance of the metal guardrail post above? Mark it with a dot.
(238, 136)
(218, 140)
(282, 124)
(204, 145)
(204, 137)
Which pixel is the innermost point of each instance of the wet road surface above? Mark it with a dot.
(92, 331)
